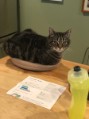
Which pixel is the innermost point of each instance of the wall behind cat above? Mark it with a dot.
(40, 15)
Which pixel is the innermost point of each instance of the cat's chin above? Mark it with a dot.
(58, 50)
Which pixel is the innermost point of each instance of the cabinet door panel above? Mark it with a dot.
(8, 17)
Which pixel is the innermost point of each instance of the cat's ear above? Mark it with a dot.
(68, 32)
(51, 31)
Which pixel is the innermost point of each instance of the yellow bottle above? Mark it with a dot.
(78, 80)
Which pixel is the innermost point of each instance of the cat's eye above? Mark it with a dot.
(54, 42)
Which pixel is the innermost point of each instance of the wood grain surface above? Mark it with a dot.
(13, 108)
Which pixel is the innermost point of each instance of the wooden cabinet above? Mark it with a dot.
(8, 17)
(8, 20)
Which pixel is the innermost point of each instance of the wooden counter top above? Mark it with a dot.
(13, 108)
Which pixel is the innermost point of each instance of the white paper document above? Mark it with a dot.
(37, 91)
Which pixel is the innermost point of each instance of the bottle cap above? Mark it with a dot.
(77, 68)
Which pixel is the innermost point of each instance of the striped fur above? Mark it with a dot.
(32, 47)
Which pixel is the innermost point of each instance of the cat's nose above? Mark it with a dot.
(61, 49)
(60, 45)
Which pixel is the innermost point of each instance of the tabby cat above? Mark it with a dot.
(30, 46)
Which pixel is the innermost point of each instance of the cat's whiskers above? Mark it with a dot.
(69, 49)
